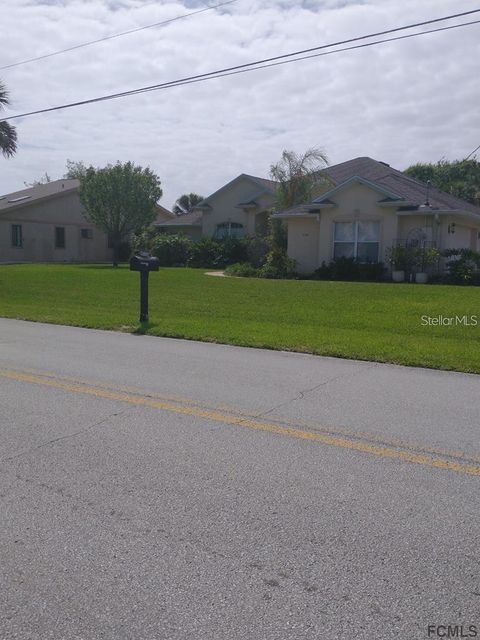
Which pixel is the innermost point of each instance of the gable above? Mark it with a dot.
(381, 194)
(242, 189)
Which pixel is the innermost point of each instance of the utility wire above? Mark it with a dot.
(116, 35)
(267, 62)
(471, 154)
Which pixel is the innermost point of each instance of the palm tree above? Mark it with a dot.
(185, 203)
(298, 175)
(8, 134)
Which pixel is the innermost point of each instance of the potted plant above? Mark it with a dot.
(423, 259)
(397, 256)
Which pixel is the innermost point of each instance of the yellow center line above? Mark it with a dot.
(412, 457)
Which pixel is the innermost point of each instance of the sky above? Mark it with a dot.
(401, 102)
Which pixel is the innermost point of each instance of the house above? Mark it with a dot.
(47, 223)
(239, 208)
(163, 214)
(369, 207)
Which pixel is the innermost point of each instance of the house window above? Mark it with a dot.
(17, 235)
(59, 237)
(357, 240)
(86, 234)
(229, 230)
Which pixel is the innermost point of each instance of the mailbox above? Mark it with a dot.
(143, 261)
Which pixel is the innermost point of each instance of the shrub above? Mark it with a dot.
(464, 267)
(399, 257)
(425, 257)
(206, 253)
(257, 249)
(277, 265)
(171, 250)
(349, 269)
(242, 269)
(324, 272)
(234, 250)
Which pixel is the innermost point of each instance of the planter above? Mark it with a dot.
(398, 276)
(421, 277)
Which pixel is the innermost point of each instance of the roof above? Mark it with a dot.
(265, 186)
(194, 218)
(395, 188)
(391, 180)
(36, 193)
(163, 214)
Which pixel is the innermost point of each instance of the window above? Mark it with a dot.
(86, 234)
(59, 237)
(229, 230)
(17, 235)
(357, 240)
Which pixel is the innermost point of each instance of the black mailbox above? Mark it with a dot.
(144, 263)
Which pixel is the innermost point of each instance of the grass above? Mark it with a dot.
(367, 321)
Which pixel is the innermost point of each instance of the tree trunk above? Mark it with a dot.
(116, 248)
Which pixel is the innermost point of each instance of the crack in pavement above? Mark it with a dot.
(301, 394)
(65, 437)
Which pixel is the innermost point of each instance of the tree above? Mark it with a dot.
(8, 134)
(297, 175)
(461, 178)
(120, 199)
(75, 170)
(42, 180)
(185, 203)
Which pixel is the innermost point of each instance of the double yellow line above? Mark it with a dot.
(447, 462)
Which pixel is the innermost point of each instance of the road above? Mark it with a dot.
(157, 489)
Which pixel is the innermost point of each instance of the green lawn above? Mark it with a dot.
(379, 322)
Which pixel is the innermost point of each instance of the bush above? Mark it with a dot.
(277, 265)
(206, 253)
(349, 269)
(464, 268)
(211, 254)
(257, 249)
(242, 269)
(171, 250)
(234, 250)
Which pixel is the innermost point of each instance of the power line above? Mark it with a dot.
(267, 62)
(116, 35)
(471, 154)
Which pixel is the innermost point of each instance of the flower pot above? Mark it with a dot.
(398, 276)
(421, 278)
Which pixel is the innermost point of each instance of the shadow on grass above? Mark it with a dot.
(124, 265)
(143, 328)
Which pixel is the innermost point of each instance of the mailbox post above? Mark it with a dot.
(144, 263)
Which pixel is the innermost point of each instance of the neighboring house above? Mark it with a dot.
(369, 207)
(163, 214)
(239, 208)
(47, 223)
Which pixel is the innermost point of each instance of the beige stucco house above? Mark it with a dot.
(239, 208)
(47, 223)
(369, 207)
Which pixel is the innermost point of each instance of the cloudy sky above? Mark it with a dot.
(400, 102)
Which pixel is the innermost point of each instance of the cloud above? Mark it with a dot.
(401, 102)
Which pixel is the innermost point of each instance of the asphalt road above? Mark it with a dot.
(158, 489)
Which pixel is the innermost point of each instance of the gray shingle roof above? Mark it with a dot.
(264, 183)
(186, 219)
(38, 192)
(412, 190)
